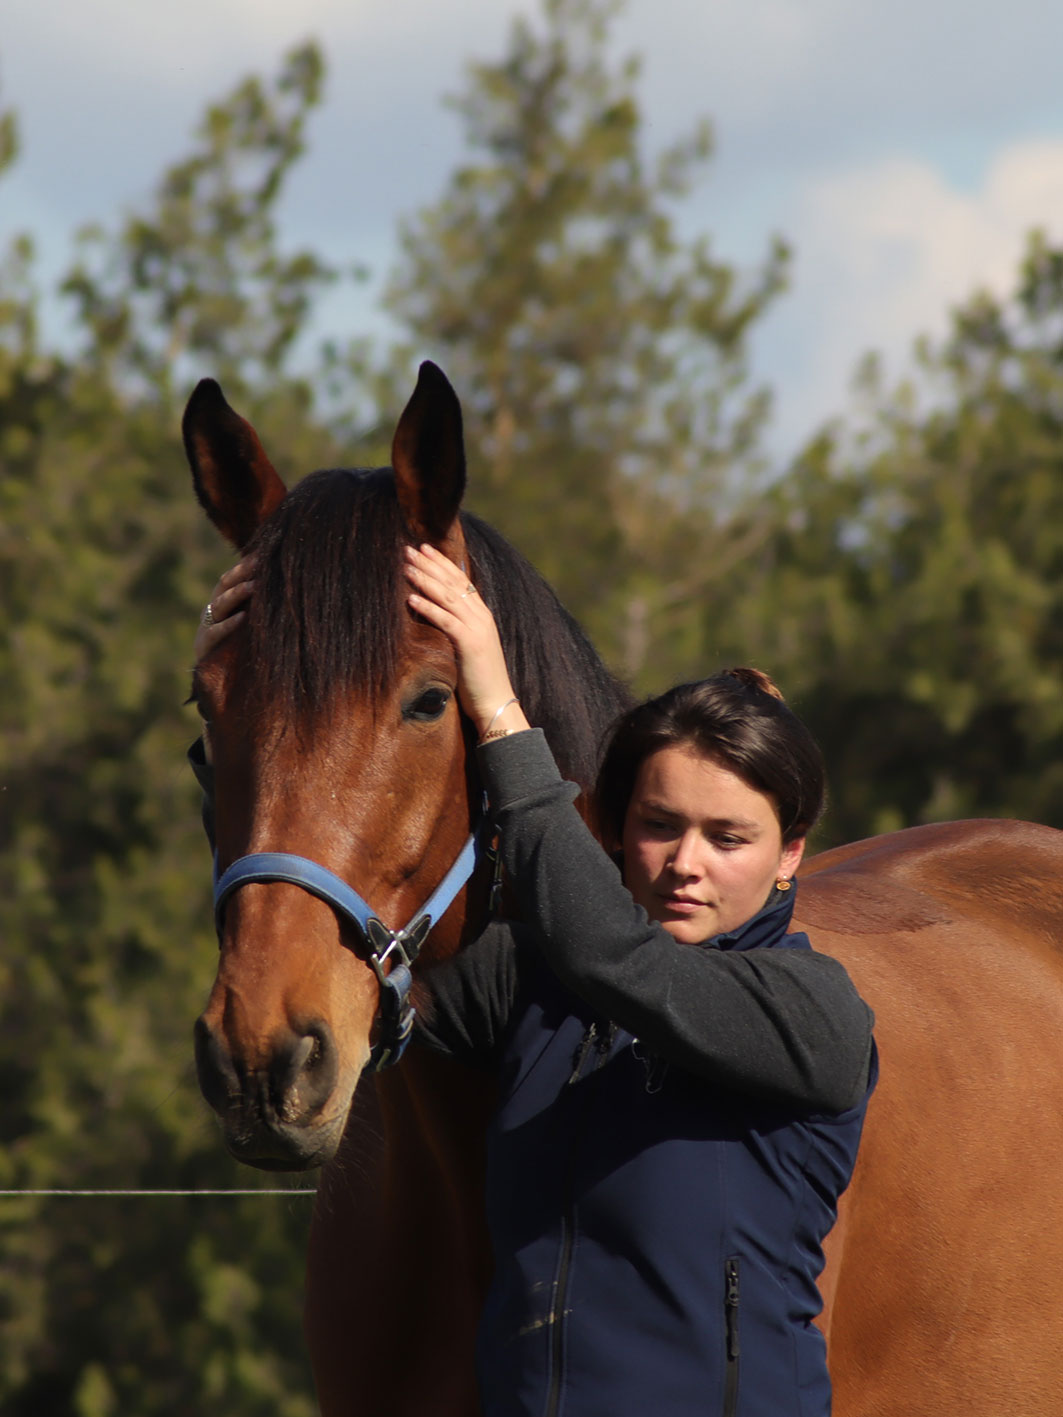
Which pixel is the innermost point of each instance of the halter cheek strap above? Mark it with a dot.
(389, 953)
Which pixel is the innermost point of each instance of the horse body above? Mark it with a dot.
(944, 1277)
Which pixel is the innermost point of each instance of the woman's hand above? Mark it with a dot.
(446, 598)
(223, 614)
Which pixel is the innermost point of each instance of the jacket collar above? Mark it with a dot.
(765, 928)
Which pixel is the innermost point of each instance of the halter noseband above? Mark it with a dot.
(384, 945)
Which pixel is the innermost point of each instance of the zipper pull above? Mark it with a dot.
(731, 1307)
(604, 1044)
(655, 1068)
(583, 1052)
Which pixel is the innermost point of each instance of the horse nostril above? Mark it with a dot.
(218, 1080)
(295, 1084)
(304, 1074)
(304, 1054)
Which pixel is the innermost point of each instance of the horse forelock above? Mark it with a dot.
(327, 616)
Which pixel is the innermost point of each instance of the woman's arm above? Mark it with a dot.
(469, 998)
(785, 1024)
(780, 1023)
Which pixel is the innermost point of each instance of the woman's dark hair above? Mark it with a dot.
(737, 717)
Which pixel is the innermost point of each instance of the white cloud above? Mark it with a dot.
(194, 43)
(883, 253)
(795, 83)
(893, 144)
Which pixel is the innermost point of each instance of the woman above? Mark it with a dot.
(682, 1082)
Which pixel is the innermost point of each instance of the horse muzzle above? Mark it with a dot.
(276, 1113)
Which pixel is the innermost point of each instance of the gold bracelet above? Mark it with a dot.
(497, 733)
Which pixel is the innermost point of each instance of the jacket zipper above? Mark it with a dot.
(557, 1303)
(601, 1045)
(582, 1053)
(730, 1310)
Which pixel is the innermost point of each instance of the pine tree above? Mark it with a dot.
(600, 355)
(911, 595)
(152, 1306)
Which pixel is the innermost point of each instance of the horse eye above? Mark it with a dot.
(427, 706)
(197, 704)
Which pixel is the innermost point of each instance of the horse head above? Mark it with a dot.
(337, 740)
(336, 737)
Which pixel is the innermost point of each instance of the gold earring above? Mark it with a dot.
(783, 883)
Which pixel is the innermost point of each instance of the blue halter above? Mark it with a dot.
(385, 946)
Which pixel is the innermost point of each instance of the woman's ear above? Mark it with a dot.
(792, 853)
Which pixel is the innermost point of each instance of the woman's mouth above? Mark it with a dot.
(681, 904)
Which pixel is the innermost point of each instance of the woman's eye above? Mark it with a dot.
(427, 706)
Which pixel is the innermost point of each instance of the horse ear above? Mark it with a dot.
(428, 455)
(234, 480)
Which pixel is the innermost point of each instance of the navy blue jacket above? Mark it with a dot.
(675, 1126)
(662, 1170)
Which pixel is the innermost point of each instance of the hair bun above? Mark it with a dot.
(756, 679)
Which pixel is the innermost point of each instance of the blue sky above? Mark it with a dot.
(903, 149)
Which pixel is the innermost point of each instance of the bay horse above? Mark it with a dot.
(336, 738)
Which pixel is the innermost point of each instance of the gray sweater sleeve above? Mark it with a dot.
(780, 1024)
(469, 998)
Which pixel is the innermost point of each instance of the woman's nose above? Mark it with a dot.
(685, 859)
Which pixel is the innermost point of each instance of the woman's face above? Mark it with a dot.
(702, 849)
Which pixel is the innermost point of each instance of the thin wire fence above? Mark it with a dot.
(232, 1191)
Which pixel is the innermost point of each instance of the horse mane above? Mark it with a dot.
(328, 611)
(563, 686)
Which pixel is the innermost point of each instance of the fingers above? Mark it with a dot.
(208, 637)
(446, 598)
(439, 577)
(224, 603)
(444, 594)
(243, 571)
(222, 614)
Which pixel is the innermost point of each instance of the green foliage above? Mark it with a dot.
(911, 594)
(200, 279)
(599, 355)
(8, 139)
(129, 1306)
